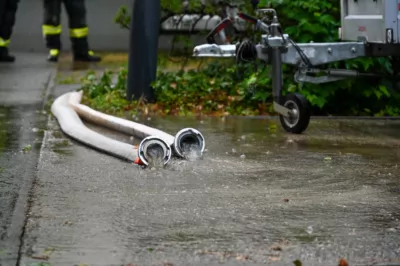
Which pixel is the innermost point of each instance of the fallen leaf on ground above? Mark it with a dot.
(277, 248)
(343, 262)
(274, 258)
(40, 264)
(40, 257)
(242, 257)
(49, 251)
(297, 263)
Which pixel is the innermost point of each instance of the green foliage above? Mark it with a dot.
(103, 94)
(123, 18)
(205, 91)
(216, 87)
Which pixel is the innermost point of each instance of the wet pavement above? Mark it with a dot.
(258, 197)
(22, 121)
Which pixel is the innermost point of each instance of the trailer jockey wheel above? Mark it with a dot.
(300, 115)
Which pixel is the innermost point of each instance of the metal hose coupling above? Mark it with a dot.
(189, 142)
(154, 149)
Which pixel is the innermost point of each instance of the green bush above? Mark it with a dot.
(216, 87)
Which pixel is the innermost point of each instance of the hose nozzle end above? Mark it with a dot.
(189, 141)
(154, 149)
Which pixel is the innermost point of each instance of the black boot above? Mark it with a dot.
(53, 55)
(5, 56)
(82, 52)
(86, 57)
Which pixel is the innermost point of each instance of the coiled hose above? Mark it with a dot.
(73, 127)
(187, 142)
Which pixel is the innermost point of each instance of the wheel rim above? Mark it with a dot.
(294, 115)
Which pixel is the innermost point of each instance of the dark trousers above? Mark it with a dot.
(76, 12)
(8, 10)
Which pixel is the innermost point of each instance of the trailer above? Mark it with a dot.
(369, 28)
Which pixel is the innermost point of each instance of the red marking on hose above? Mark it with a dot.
(138, 161)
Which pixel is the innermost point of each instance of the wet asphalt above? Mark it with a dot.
(22, 122)
(258, 197)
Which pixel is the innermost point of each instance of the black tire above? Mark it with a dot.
(298, 124)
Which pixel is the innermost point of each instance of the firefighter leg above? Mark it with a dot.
(8, 10)
(51, 28)
(79, 31)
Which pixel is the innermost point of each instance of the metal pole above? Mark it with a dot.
(142, 68)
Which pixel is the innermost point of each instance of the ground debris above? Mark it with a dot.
(40, 257)
(68, 223)
(286, 200)
(45, 255)
(240, 257)
(277, 248)
(225, 255)
(343, 262)
(27, 148)
(275, 258)
(280, 245)
(297, 263)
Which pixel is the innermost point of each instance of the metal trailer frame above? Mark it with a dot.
(276, 48)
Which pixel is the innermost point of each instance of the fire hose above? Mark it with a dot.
(150, 148)
(187, 142)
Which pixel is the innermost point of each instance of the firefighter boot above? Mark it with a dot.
(53, 55)
(5, 56)
(89, 56)
(81, 51)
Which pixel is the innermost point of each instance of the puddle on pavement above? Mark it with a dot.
(21, 134)
(373, 139)
(4, 135)
(59, 143)
(62, 147)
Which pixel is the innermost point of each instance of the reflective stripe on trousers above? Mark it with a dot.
(56, 30)
(4, 43)
(51, 30)
(79, 32)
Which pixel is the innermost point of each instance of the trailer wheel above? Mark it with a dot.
(297, 122)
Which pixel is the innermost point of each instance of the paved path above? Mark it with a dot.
(329, 194)
(22, 89)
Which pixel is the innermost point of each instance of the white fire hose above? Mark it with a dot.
(73, 126)
(185, 140)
